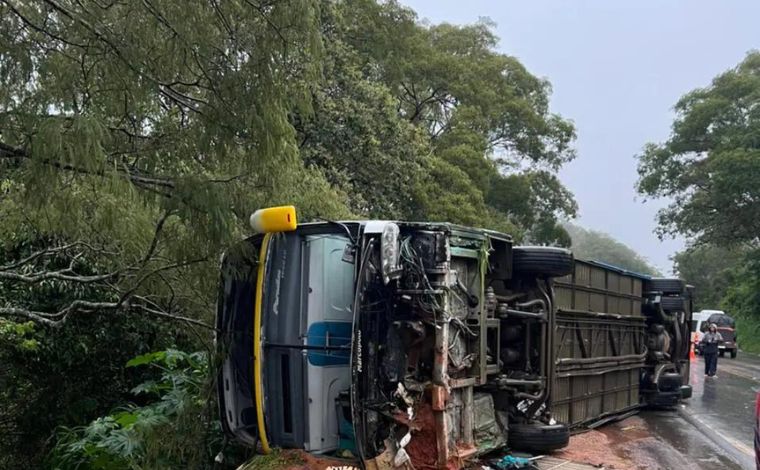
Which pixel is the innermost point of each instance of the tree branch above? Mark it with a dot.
(138, 179)
(40, 29)
(35, 255)
(57, 319)
(165, 90)
(59, 275)
(127, 294)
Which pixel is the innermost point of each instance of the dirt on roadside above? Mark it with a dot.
(624, 445)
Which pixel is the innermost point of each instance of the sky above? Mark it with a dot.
(616, 69)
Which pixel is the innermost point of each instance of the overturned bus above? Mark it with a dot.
(433, 344)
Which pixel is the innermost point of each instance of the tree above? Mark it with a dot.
(598, 246)
(137, 136)
(711, 270)
(354, 136)
(710, 165)
(482, 111)
(710, 169)
(742, 301)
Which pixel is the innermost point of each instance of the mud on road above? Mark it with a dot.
(652, 440)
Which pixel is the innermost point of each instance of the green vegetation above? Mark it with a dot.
(710, 169)
(69, 376)
(177, 405)
(137, 137)
(709, 166)
(742, 300)
(711, 270)
(598, 246)
(277, 460)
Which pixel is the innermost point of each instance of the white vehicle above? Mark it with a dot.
(698, 320)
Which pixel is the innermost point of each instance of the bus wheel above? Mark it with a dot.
(666, 285)
(538, 437)
(542, 261)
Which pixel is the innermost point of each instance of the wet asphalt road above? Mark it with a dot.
(722, 409)
(714, 429)
(682, 445)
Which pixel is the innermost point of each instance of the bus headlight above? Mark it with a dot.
(390, 252)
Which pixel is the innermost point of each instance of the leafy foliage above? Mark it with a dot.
(711, 270)
(126, 438)
(430, 122)
(710, 169)
(277, 460)
(710, 165)
(598, 246)
(356, 138)
(68, 376)
(742, 300)
(138, 136)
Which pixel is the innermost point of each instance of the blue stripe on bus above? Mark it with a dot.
(329, 333)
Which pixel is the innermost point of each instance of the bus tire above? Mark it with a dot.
(669, 381)
(542, 261)
(666, 285)
(673, 303)
(538, 437)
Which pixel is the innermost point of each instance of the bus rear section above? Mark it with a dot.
(601, 344)
(623, 341)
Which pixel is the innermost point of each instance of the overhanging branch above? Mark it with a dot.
(150, 182)
(57, 319)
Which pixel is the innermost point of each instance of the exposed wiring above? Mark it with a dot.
(417, 275)
(342, 225)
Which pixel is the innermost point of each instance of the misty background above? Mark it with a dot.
(616, 71)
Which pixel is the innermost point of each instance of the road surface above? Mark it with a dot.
(712, 430)
(723, 407)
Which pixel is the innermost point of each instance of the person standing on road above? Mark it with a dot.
(710, 342)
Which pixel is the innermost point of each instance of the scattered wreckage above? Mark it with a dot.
(434, 344)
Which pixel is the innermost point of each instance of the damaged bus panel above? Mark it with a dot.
(451, 356)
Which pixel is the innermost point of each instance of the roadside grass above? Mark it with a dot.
(277, 460)
(748, 334)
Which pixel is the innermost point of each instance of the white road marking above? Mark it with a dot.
(736, 444)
